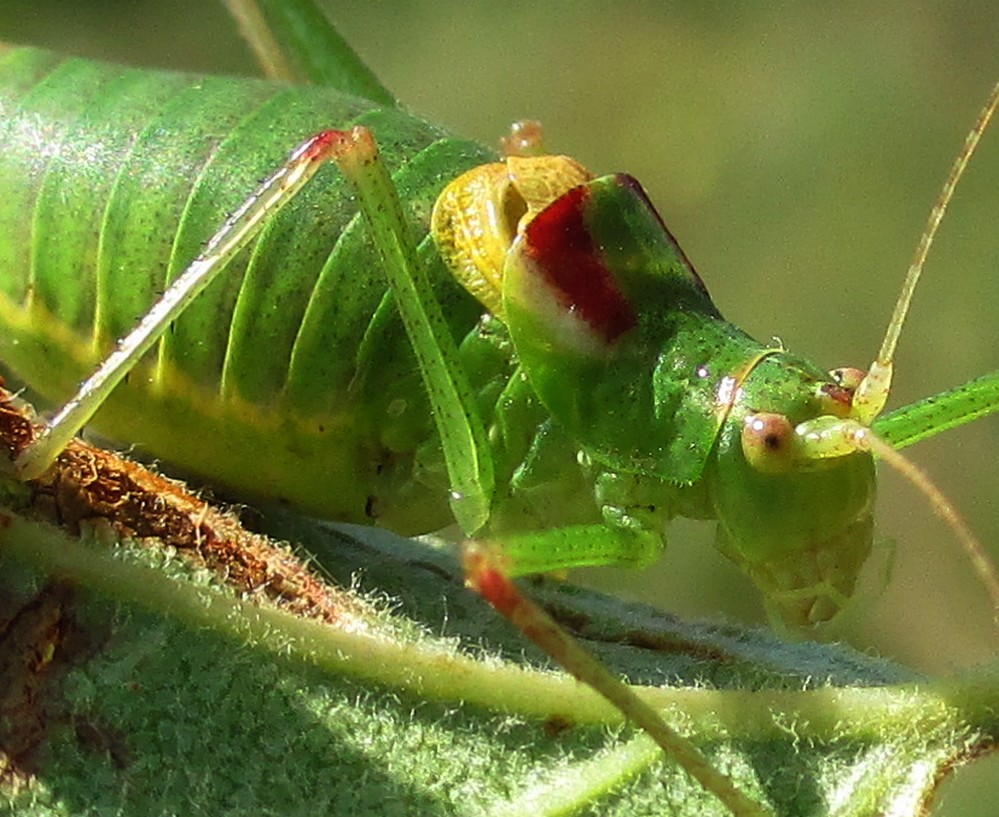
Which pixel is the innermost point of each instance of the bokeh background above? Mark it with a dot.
(795, 149)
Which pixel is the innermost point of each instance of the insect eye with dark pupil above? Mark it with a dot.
(767, 442)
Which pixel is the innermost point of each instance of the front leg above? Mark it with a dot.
(630, 531)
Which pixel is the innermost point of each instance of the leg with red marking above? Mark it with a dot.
(485, 572)
(459, 425)
(241, 228)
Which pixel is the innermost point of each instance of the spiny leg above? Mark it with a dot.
(461, 430)
(241, 228)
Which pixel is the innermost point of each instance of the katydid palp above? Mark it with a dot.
(373, 343)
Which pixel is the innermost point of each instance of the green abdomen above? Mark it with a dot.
(291, 377)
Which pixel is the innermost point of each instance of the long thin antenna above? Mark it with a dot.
(973, 548)
(933, 223)
(872, 394)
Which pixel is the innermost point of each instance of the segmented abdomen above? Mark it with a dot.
(293, 367)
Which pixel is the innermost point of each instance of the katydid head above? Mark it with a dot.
(799, 526)
(772, 446)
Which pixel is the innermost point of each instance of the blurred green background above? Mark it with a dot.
(795, 150)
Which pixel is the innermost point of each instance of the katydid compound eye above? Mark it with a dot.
(768, 442)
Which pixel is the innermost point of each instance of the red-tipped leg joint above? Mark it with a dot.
(486, 574)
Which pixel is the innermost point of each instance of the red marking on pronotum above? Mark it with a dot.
(559, 242)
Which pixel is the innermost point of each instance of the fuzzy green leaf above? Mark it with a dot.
(168, 695)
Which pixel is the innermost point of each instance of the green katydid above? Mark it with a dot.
(618, 196)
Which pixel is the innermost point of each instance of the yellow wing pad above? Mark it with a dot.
(479, 215)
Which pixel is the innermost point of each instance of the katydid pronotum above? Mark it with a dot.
(466, 471)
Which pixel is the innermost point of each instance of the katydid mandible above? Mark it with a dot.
(601, 395)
